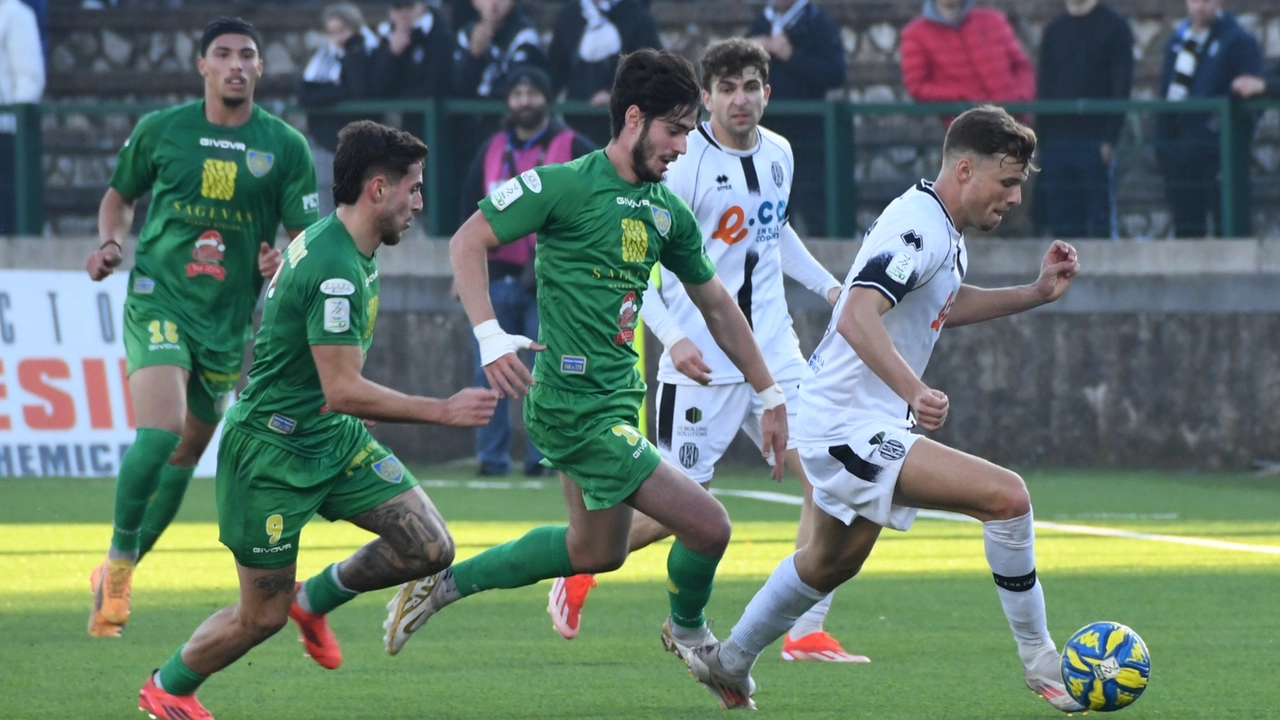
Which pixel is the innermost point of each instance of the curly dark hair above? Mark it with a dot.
(729, 58)
(662, 84)
(990, 130)
(366, 149)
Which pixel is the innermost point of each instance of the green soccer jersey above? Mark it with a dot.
(326, 293)
(217, 193)
(598, 238)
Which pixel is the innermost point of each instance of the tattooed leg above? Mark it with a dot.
(265, 596)
(412, 542)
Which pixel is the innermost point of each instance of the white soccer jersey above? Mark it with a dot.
(914, 255)
(741, 200)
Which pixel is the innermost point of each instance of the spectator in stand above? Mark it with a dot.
(806, 57)
(339, 70)
(806, 62)
(1086, 52)
(589, 37)
(955, 51)
(22, 73)
(1247, 86)
(414, 57)
(530, 137)
(501, 38)
(1202, 58)
(21, 81)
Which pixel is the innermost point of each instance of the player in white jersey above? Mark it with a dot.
(736, 176)
(868, 470)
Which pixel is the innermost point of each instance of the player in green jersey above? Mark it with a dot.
(602, 222)
(223, 174)
(295, 445)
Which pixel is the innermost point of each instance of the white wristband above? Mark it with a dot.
(771, 397)
(494, 342)
(671, 336)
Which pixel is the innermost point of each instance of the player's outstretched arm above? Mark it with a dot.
(861, 326)
(733, 334)
(1058, 268)
(115, 217)
(685, 355)
(347, 391)
(800, 265)
(468, 253)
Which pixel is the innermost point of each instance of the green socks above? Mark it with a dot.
(540, 554)
(139, 474)
(178, 679)
(689, 579)
(323, 593)
(164, 504)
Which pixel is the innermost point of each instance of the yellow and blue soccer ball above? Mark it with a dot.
(1105, 666)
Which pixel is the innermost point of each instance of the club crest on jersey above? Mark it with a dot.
(661, 220)
(259, 162)
(207, 256)
(777, 173)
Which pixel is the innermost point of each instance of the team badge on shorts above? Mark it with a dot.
(892, 450)
(661, 220)
(688, 455)
(389, 469)
(259, 162)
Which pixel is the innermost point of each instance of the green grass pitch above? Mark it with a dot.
(924, 610)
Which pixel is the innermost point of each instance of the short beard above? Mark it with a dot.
(233, 102)
(388, 232)
(528, 121)
(640, 158)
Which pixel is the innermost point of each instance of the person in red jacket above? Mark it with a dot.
(955, 51)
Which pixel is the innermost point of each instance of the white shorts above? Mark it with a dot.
(858, 479)
(696, 423)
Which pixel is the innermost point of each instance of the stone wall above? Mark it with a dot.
(1162, 355)
(135, 55)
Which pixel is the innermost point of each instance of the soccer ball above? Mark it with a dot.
(1105, 666)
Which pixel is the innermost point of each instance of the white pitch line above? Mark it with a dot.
(785, 499)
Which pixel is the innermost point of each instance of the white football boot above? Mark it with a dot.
(1044, 677)
(732, 690)
(415, 602)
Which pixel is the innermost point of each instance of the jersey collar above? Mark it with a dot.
(926, 187)
(705, 129)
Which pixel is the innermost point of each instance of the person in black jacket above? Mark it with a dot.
(806, 62)
(1087, 52)
(1247, 86)
(414, 55)
(339, 70)
(806, 55)
(1202, 58)
(589, 37)
(489, 47)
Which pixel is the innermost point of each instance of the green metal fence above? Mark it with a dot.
(453, 129)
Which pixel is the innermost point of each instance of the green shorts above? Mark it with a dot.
(266, 493)
(153, 337)
(592, 438)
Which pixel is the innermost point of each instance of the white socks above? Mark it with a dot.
(1010, 549)
(771, 613)
(811, 621)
